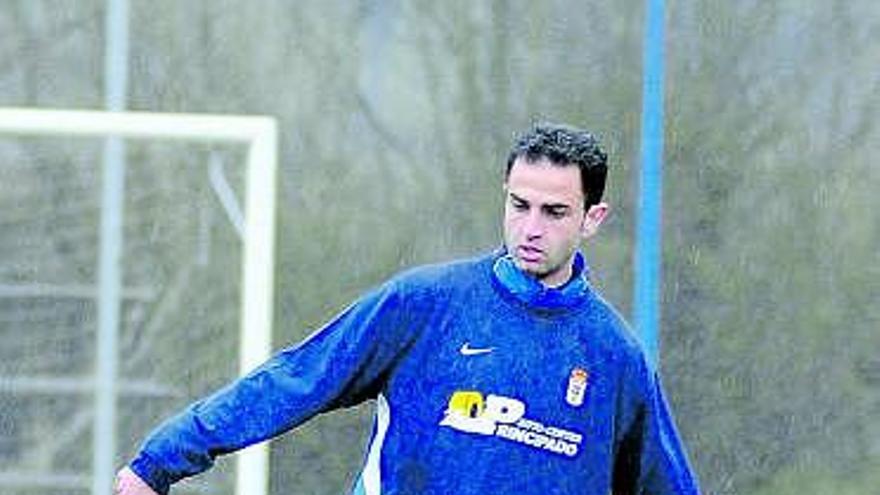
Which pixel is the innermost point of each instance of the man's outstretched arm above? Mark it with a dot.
(340, 365)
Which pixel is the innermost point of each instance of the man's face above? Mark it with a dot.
(545, 220)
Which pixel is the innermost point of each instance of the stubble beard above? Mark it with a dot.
(540, 272)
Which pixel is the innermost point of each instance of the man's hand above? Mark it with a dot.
(128, 483)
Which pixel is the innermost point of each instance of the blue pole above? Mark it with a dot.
(648, 256)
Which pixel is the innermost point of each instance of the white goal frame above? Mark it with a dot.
(260, 135)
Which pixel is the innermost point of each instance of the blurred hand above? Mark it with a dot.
(128, 483)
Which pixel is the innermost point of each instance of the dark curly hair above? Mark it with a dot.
(563, 146)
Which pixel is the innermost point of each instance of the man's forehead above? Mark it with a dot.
(545, 183)
(541, 161)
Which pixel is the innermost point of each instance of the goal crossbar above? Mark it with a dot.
(182, 126)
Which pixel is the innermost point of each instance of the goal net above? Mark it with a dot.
(195, 236)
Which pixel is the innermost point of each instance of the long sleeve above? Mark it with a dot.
(340, 365)
(651, 459)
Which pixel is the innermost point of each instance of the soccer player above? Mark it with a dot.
(504, 374)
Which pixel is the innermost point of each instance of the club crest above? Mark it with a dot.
(577, 387)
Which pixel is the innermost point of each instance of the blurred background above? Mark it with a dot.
(395, 120)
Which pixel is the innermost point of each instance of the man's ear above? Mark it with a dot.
(594, 217)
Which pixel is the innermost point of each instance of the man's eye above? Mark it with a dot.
(556, 213)
(519, 205)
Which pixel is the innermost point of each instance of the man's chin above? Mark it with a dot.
(532, 269)
(541, 273)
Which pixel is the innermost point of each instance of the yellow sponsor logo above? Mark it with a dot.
(467, 403)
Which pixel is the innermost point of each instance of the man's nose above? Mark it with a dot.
(533, 226)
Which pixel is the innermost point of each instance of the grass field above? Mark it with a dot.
(864, 479)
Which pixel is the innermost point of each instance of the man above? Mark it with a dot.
(503, 374)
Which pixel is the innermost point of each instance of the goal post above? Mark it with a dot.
(260, 136)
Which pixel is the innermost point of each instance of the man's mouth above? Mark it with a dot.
(530, 254)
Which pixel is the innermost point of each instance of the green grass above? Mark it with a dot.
(862, 479)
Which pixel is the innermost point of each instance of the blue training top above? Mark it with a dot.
(487, 382)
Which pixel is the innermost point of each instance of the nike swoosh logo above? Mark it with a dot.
(467, 350)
